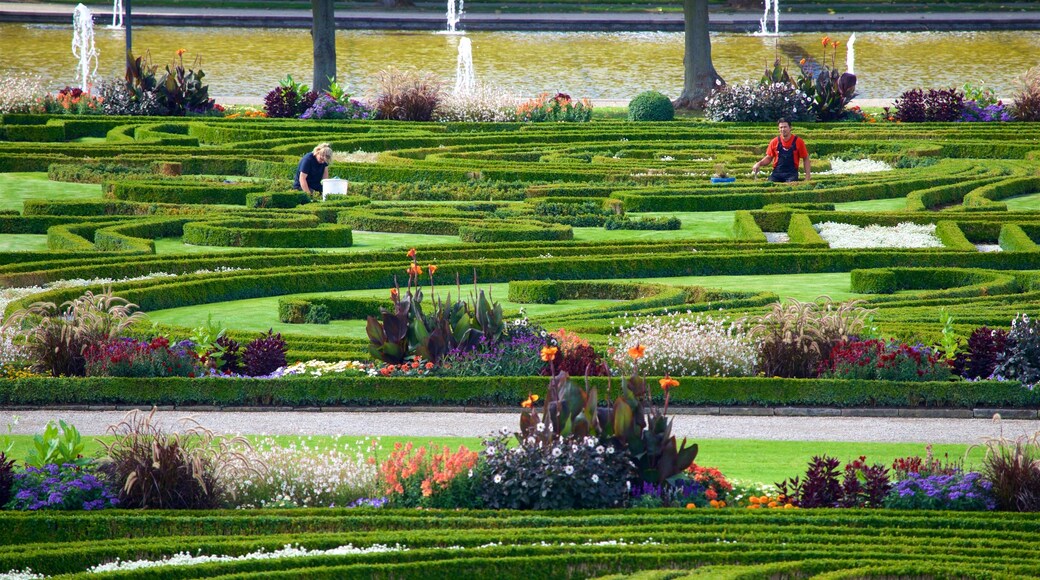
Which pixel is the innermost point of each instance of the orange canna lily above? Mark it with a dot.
(549, 353)
(637, 351)
(668, 382)
(802, 62)
(531, 400)
(835, 44)
(826, 40)
(433, 269)
(411, 253)
(395, 294)
(181, 51)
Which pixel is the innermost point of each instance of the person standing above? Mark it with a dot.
(313, 167)
(784, 152)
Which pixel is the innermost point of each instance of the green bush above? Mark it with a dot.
(651, 106)
(534, 292)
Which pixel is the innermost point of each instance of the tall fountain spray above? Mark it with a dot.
(117, 14)
(764, 22)
(83, 46)
(454, 15)
(850, 55)
(465, 78)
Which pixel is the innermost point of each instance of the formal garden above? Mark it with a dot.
(593, 272)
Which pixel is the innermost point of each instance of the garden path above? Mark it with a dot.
(464, 424)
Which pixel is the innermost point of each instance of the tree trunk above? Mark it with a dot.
(700, 78)
(323, 34)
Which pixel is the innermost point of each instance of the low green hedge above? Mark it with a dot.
(487, 232)
(1014, 239)
(534, 292)
(303, 232)
(502, 391)
(295, 310)
(181, 191)
(287, 199)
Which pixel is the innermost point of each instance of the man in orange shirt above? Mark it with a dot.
(784, 152)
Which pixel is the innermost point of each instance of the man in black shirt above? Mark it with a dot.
(313, 167)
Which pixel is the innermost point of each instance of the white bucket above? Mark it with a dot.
(334, 186)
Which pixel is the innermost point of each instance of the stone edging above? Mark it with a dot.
(906, 413)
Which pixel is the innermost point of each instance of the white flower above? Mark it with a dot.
(599, 450)
(569, 470)
(610, 450)
(540, 427)
(556, 452)
(490, 450)
(498, 478)
(595, 478)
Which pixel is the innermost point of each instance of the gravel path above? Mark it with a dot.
(480, 424)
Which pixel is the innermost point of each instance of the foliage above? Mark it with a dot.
(909, 106)
(820, 488)
(828, 90)
(576, 356)
(681, 492)
(20, 93)
(985, 346)
(754, 102)
(644, 223)
(864, 485)
(264, 354)
(406, 95)
(715, 485)
(318, 314)
(486, 104)
(982, 105)
(6, 478)
(230, 354)
(794, 338)
(59, 444)
(155, 469)
(72, 101)
(55, 338)
(428, 477)
(141, 86)
(128, 357)
(289, 99)
(570, 472)
(181, 88)
(688, 345)
(1013, 467)
(926, 466)
(958, 491)
(1021, 357)
(119, 99)
(327, 107)
(1026, 103)
(943, 105)
(559, 108)
(514, 355)
(886, 361)
(651, 106)
(407, 331)
(64, 487)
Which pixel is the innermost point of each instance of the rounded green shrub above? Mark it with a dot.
(651, 106)
(534, 292)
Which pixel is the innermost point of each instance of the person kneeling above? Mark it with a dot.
(313, 168)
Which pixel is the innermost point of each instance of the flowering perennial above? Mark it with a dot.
(683, 345)
(904, 235)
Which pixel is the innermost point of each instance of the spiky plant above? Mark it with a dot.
(796, 337)
(1013, 467)
(54, 337)
(159, 470)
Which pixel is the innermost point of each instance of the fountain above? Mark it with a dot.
(850, 55)
(465, 78)
(117, 14)
(764, 23)
(83, 45)
(454, 16)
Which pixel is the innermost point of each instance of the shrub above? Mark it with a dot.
(432, 477)
(318, 314)
(754, 102)
(576, 356)
(230, 354)
(1013, 467)
(128, 357)
(71, 101)
(820, 488)
(1026, 103)
(302, 476)
(886, 361)
(985, 345)
(118, 99)
(651, 106)
(515, 354)
(59, 444)
(289, 99)
(326, 107)
(20, 93)
(1021, 357)
(158, 470)
(55, 338)
(64, 487)
(688, 346)
(6, 478)
(927, 466)
(795, 337)
(485, 104)
(909, 107)
(864, 485)
(264, 354)
(943, 105)
(958, 491)
(645, 223)
(555, 109)
(569, 473)
(406, 95)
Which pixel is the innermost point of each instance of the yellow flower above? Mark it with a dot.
(637, 351)
(549, 353)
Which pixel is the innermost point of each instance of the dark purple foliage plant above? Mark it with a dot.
(864, 485)
(943, 105)
(6, 478)
(265, 354)
(909, 107)
(1020, 359)
(979, 359)
(820, 488)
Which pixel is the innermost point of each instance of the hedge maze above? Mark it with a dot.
(557, 211)
(651, 544)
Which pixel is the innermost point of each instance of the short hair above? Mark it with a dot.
(783, 120)
(323, 150)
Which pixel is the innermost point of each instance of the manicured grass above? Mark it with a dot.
(610, 112)
(1029, 202)
(259, 314)
(23, 242)
(705, 224)
(804, 287)
(363, 242)
(748, 460)
(893, 204)
(15, 188)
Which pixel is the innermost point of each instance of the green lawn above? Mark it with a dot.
(23, 242)
(893, 204)
(1029, 202)
(742, 459)
(18, 187)
(706, 224)
(363, 242)
(804, 287)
